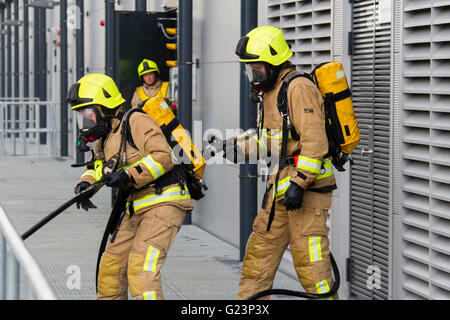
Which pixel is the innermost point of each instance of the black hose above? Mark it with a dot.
(307, 295)
(83, 194)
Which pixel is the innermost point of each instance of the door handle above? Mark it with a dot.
(370, 153)
(364, 152)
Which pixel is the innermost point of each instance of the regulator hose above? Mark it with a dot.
(308, 295)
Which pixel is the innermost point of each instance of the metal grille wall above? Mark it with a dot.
(307, 28)
(426, 149)
(369, 229)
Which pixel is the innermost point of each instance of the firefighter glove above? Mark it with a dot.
(118, 179)
(293, 198)
(84, 203)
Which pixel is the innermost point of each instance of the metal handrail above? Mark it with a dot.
(16, 257)
(18, 99)
(25, 130)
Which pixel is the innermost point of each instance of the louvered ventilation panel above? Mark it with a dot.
(426, 149)
(369, 230)
(307, 28)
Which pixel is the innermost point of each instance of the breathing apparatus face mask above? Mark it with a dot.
(92, 127)
(260, 75)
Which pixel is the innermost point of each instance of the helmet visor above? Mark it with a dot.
(257, 73)
(87, 118)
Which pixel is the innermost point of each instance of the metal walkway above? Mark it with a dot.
(198, 267)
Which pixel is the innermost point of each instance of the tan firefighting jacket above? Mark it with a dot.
(152, 160)
(306, 108)
(160, 88)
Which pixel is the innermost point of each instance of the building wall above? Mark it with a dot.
(216, 32)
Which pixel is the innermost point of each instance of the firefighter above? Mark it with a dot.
(152, 85)
(156, 202)
(296, 215)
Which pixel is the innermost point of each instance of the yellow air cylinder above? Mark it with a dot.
(159, 110)
(330, 78)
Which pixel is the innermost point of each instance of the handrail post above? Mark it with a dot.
(15, 258)
(3, 267)
(12, 278)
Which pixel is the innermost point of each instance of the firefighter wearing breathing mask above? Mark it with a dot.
(153, 201)
(296, 214)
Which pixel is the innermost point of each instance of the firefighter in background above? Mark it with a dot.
(305, 184)
(156, 199)
(152, 85)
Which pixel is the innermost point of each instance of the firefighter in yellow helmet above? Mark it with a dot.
(152, 200)
(296, 214)
(152, 85)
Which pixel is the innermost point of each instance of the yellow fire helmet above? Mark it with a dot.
(264, 44)
(147, 66)
(95, 89)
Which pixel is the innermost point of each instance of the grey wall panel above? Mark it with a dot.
(216, 32)
(307, 28)
(425, 166)
(94, 37)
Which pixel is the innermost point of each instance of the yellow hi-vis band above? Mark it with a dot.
(283, 185)
(155, 168)
(315, 250)
(98, 165)
(149, 295)
(151, 259)
(309, 164)
(277, 135)
(327, 169)
(323, 287)
(97, 172)
(171, 194)
(161, 93)
(89, 173)
(141, 93)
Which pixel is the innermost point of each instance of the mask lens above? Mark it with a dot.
(86, 118)
(256, 73)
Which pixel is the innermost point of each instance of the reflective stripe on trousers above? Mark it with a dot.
(323, 287)
(149, 295)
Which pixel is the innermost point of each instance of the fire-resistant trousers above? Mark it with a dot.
(138, 253)
(306, 232)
